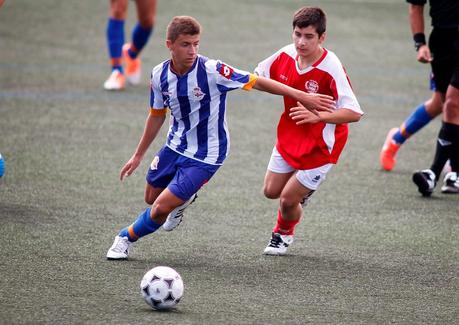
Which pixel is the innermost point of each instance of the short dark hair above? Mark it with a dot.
(182, 25)
(310, 16)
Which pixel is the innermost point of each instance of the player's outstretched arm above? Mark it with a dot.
(301, 115)
(152, 126)
(313, 102)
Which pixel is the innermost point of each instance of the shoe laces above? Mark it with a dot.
(116, 76)
(184, 206)
(392, 148)
(429, 174)
(451, 178)
(179, 213)
(276, 240)
(121, 245)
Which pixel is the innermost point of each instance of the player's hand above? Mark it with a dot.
(129, 167)
(317, 103)
(424, 55)
(302, 115)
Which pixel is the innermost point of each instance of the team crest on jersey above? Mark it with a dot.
(312, 86)
(197, 93)
(226, 71)
(166, 98)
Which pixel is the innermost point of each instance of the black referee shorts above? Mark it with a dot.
(444, 46)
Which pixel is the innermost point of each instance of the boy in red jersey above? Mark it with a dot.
(308, 144)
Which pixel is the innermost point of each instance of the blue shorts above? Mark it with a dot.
(183, 176)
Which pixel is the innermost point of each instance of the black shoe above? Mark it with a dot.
(425, 180)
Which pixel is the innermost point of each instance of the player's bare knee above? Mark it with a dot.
(288, 203)
(270, 193)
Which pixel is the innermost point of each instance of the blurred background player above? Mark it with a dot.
(129, 52)
(307, 144)
(443, 54)
(194, 88)
(419, 118)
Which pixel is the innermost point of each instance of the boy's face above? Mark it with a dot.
(307, 40)
(184, 49)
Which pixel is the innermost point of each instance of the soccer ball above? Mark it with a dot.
(162, 287)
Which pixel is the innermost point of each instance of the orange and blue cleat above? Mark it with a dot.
(389, 151)
(133, 66)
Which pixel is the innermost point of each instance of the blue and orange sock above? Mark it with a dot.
(115, 41)
(285, 227)
(140, 37)
(416, 121)
(143, 226)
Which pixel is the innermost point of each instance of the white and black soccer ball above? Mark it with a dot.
(162, 287)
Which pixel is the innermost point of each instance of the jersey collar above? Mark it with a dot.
(315, 64)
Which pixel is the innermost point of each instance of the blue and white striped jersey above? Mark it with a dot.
(197, 101)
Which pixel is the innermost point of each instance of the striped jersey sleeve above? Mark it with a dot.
(158, 100)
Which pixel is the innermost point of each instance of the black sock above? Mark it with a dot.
(447, 148)
(454, 158)
(454, 155)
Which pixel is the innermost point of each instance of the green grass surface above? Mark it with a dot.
(369, 249)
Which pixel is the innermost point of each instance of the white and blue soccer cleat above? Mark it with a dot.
(120, 249)
(175, 217)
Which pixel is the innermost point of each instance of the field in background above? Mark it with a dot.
(368, 250)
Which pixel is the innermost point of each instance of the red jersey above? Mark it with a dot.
(309, 145)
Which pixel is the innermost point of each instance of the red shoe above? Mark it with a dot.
(388, 151)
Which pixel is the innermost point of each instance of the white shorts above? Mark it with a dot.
(310, 178)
